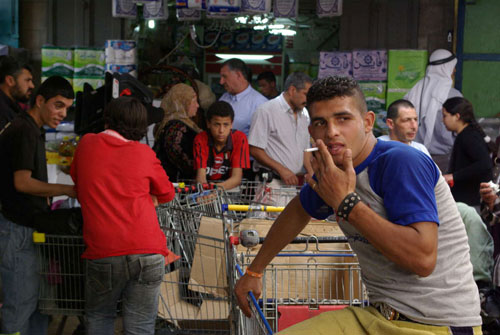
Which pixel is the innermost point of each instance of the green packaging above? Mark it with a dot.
(89, 62)
(405, 69)
(95, 82)
(375, 93)
(57, 61)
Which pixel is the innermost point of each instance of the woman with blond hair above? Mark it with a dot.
(174, 135)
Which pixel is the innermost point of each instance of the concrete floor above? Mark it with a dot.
(72, 323)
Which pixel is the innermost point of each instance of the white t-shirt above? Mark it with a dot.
(416, 145)
(275, 130)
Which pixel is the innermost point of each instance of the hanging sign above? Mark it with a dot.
(328, 8)
(286, 8)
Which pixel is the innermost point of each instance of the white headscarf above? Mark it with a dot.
(428, 96)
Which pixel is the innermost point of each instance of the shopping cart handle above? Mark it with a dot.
(38, 237)
(256, 305)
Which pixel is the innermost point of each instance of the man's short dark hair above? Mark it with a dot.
(220, 108)
(236, 64)
(334, 87)
(52, 87)
(127, 116)
(297, 80)
(393, 110)
(267, 76)
(9, 66)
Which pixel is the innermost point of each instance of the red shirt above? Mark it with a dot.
(235, 154)
(114, 178)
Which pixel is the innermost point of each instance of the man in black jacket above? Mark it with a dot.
(16, 85)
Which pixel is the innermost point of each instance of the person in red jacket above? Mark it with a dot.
(118, 180)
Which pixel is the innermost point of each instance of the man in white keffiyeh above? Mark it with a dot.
(428, 96)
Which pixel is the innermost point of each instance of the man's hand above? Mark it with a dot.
(243, 286)
(69, 190)
(333, 183)
(487, 195)
(288, 177)
(449, 179)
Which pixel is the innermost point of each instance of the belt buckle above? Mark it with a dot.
(388, 312)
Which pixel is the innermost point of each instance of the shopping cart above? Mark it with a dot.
(260, 193)
(62, 271)
(195, 296)
(311, 275)
(257, 324)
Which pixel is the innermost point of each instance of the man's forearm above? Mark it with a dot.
(201, 176)
(234, 180)
(412, 247)
(42, 189)
(286, 227)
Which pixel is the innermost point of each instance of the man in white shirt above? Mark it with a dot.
(239, 93)
(428, 96)
(402, 121)
(278, 134)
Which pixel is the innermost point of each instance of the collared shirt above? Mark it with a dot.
(8, 109)
(244, 105)
(416, 145)
(275, 130)
(22, 147)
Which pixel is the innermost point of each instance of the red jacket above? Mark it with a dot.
(114, 178)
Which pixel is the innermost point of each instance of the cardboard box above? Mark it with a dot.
(309, 276)
(174, 308)
(208, 272)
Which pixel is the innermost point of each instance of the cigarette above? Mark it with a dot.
(311, 149)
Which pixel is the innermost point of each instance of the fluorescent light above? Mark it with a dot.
(259, 27)
(151, 24)
(276, 26)
(283, 32)
(244, 56)
(241, 19)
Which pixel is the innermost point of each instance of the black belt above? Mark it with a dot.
(392, 315)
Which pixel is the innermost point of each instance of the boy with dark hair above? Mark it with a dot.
(16, 85)
(23, 196)
(221, 153)
(118, 181)
(267, 84)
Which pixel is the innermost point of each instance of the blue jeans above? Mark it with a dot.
(20, 279)
(135, 279)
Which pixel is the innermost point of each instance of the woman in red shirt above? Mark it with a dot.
(116, 180)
